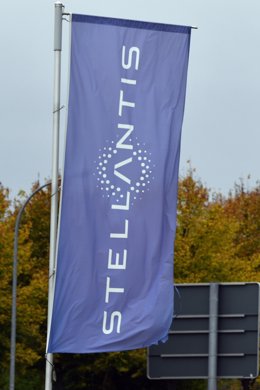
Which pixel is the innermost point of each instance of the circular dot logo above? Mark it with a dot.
(137, 161)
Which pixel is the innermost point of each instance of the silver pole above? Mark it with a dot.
(213, 336)
(14, 287)
(58, 8)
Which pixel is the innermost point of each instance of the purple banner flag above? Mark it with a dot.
(114, 279)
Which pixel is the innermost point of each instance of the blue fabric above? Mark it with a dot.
(114, 280)
(130, 23)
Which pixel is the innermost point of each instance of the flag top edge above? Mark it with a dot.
(131, 23)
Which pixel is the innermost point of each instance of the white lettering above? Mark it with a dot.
(123, 103)
(109, 290)
(126, 64)
(119, 165)
(120, 144)
(122, 206)
(128, 81)
(117, 259)
(121, 235)
(115, 314)
(117, 264)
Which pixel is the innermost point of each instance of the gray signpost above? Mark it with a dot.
(214, 334)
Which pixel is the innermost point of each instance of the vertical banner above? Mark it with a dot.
(114, 280)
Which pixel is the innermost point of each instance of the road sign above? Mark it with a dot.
(186, 353)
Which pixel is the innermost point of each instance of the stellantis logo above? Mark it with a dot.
(124, 171)
(125, 157)
(109, 166)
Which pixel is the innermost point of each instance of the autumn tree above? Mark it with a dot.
(32, 287)
(217, 239)
(204, 245)
(33, 291)
(244, 205)
(6, 240)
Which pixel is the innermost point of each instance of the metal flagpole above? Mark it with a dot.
(14, 287)
(58, 8)
(213, 336)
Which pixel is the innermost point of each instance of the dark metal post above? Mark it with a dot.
(213, 336)
(14, 286)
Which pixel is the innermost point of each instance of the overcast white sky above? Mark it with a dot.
(221, 131)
